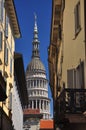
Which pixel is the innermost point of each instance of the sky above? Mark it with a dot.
(25, 12)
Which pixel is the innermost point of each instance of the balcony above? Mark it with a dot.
(71, 105)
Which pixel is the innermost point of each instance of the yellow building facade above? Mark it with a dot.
(9, 30)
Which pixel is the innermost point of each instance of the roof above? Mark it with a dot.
(35, 66)
(46, 124)
(10, 6)
(32, 113)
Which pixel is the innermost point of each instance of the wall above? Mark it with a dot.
(17, 112)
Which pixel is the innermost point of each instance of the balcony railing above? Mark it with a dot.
(71, 101)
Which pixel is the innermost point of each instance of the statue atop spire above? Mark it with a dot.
(35, 16)
(35, 52)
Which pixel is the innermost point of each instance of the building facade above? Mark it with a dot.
(19, 94)
(9, 30)
(68, 51)
(37, 83)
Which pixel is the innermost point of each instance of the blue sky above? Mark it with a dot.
(25, 11)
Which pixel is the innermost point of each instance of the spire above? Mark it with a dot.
(35, 51)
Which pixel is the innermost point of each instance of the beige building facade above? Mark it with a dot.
(67, 59)
(73, 45)
(9, 30)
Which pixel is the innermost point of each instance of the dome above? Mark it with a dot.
(35, 66)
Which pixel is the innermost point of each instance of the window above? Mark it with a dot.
(1, 10)
(34, 83)
(0, 41)
(34, 104)
(77, 18)
(41, 104)
(38, 104)
(6, 54)
(6, 27)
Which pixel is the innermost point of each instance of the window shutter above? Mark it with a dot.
(1, 10)
(6, 55)
(10, 101)
(6, 28)
(77, 18)
(11, 66)
(63, 5)
(71, 78)
(0, 40)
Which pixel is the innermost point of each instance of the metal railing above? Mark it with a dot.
(71, 101)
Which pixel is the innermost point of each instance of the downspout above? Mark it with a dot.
(85, 25)
(85, 35)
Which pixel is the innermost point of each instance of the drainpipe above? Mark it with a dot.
(85, 35)
(85, 23)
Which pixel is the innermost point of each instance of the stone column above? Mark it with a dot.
(40, 104)
(36, 104)
(46, 105)
(32, 104)
(43, 105)
(36, 83)
(42, 83)
(30, 83)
